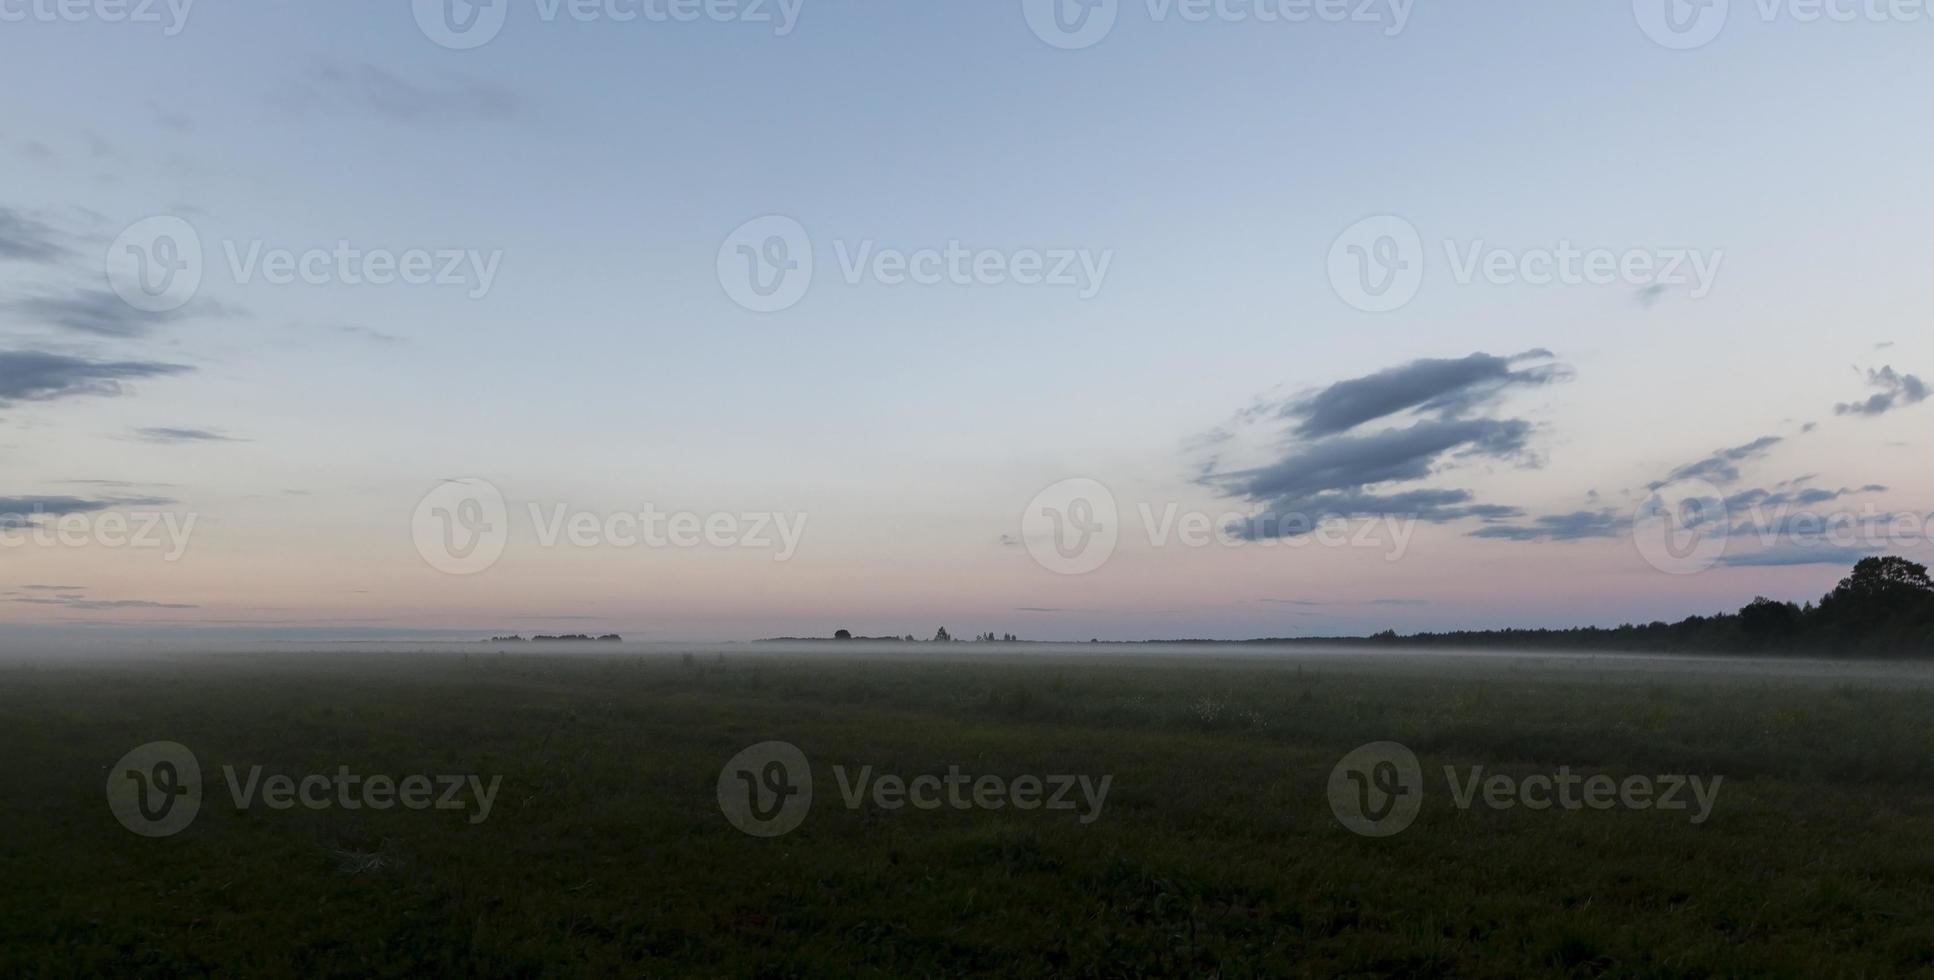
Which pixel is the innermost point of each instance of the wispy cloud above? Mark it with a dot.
(1722, 467)
(1897, 390)
(1449, 388)
(100, 313)
(27, 239)
(365, 88)
(41, 376)
(24, 512)
(167, 435)
(84, 604)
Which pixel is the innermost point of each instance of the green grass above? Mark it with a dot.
(1216, 852)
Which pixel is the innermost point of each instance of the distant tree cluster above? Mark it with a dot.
(572, 638)
(1885, 608)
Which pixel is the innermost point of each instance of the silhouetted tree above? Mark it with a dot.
(843, 635)
(942, 637)
(1764, 619)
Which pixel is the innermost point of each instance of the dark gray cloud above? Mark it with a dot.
(1449, 387)
(1326, 469)
(1806, 497)
(1794, 555)
(27, 239)
(1722, 467)
(85, 604)
(1294, 516)
(1577, 526)
(40, 376)
(1896, 391)
(365, 88)
(169, 434)
(1393, 455)
(1313, 603)
(371, 335)
(21, 512)
(102, 314)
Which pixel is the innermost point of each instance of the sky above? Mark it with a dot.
(1135, 319)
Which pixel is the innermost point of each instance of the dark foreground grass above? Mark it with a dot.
(1216, 852)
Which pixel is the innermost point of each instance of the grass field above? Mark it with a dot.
(1216, 852)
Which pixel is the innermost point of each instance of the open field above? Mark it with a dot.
(1216, 850)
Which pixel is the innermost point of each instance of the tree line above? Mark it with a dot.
(1884, 608)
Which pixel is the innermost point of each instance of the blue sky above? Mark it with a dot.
(604, 165)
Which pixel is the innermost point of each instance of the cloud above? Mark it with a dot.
(103, 314)
(1722, 467)
(1393, 455)
(1577, 526)
(99, 605)
(1797, 554)
(1896, 391)
(23, 512)
(1794, 498)
(365, 88)
(170, 435)
(369, 334)
(1450, 388)
(39, 376)
(1311, 603)
(1323, 468)
(28, 240)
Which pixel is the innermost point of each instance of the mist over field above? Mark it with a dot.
(1010, 488)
